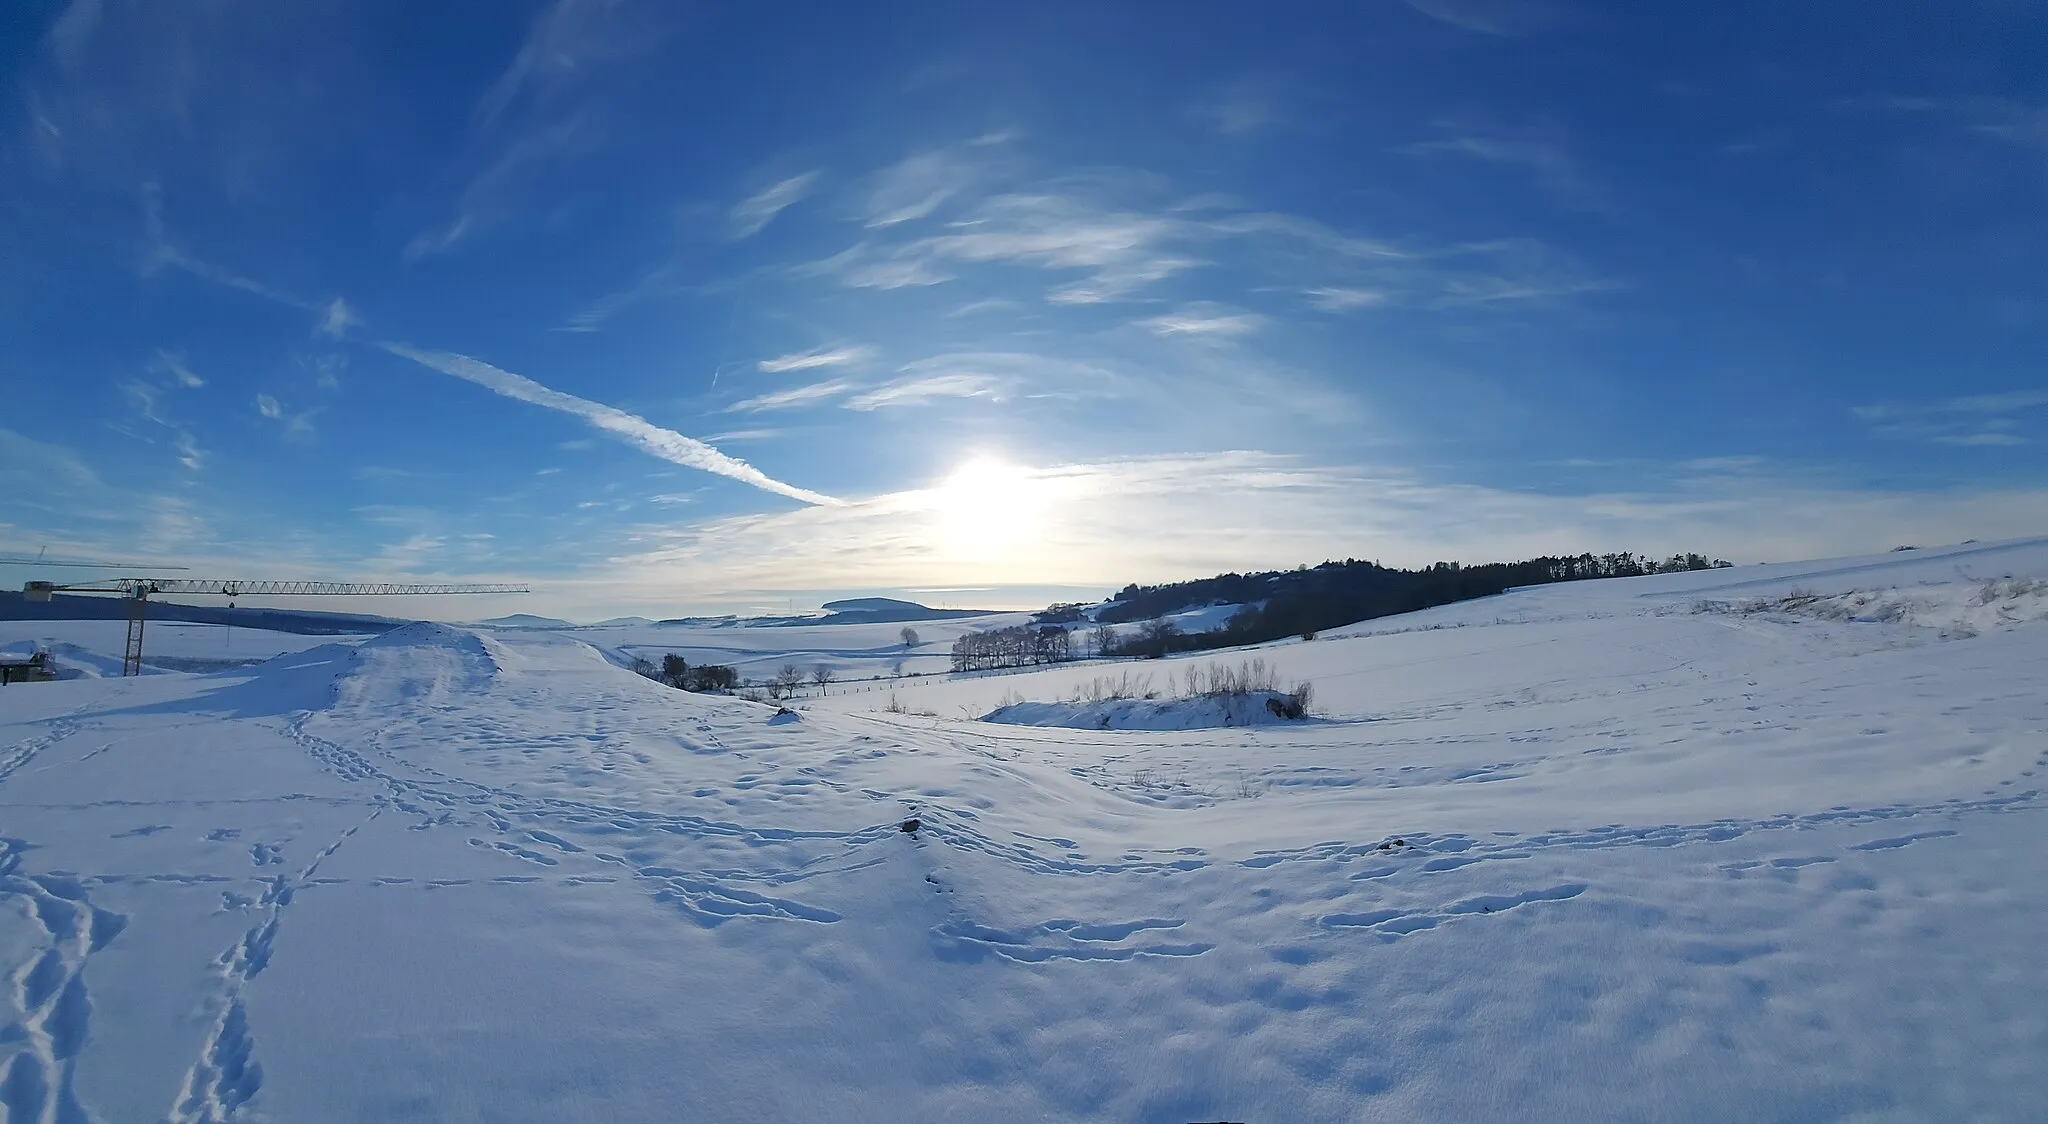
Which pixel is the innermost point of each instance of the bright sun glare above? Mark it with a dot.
(985, 506)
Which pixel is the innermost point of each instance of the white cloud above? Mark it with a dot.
(561, 45)
(1984, 420)
(900, 272)
(295, 425)
(327, 370)
(1168, 518)
(337, 319)
(189, 453)
(637, 431)
(1204, 320)
(914, 188)
(1340, 299)
(1116, 253)
(810, 360)
(173, 364)
(758, 210)
(924, 388)
(793, 397)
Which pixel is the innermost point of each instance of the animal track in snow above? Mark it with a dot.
(52, 1003)
(1059, 939)
(1899, 841)
(1392, 923)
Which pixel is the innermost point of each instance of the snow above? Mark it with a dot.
(1600, 851)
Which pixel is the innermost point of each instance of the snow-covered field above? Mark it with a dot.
(1643, 849)
(852, 651)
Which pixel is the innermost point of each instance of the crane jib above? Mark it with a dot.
(137, 591)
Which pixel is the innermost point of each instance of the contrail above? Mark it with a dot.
(664, 443)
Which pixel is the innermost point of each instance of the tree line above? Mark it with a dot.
(1376, 590)
(1307, 600)
(1015, 646)
(677, 672)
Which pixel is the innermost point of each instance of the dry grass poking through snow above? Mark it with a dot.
(1210, 681)
(1957, 610)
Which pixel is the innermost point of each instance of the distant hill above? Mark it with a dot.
(622, 622)
(888, 610)
(304, 622)
(525, 620)
(853, 610)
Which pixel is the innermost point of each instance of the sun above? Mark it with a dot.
(986, 506)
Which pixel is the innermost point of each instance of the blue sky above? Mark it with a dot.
(674, 308)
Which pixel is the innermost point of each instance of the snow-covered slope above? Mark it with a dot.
(1642, 849)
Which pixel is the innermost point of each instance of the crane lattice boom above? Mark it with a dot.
(236, 587)
(137, 592)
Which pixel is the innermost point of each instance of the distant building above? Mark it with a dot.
(26, 669)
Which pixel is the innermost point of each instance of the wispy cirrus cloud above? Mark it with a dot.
(2005, 119)
(1543, 155)
(336, 319)
(915, 187)
(1241, 109)
(173, 364)
(561, 46)
(164, 376)
(753, 214)
(634, 430)
(1985, 420)
(793, 397)
(1111, 251)
(811, 360)
(492, 194)
(1505, 18)
(294, 425)
(1117, 252)
(920, 389)
(1337, 298)
(1204, 320)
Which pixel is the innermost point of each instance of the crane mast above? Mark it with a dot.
(137, 591)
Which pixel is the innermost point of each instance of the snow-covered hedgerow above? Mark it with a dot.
(1213, 695)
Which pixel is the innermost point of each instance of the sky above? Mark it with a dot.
(685, 308)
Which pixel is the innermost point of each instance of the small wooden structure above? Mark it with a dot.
(26, 669)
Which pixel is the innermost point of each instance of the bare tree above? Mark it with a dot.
(821, 675)
(790, 678)
(1105, 640)
(910, 637)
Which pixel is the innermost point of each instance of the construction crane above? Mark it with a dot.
(137, 592)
